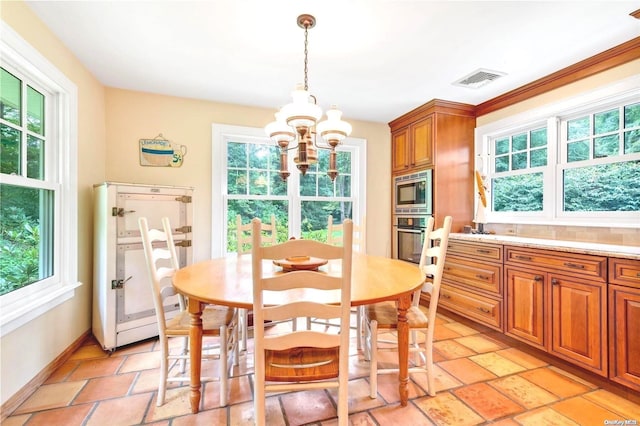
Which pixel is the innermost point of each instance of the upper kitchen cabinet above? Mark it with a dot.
(439, 135)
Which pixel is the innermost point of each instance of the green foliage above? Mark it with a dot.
(19, 242)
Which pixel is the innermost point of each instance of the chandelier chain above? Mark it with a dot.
(306, 60)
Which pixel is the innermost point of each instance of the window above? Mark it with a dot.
(37, 184)
(576, 161)
(246, 182)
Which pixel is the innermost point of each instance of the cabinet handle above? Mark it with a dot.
(482, 277)
(555, 281)
(485, 310)
(445, 296)
(483, 251)
(638, 275)
(527, 258)
(573, 265)
(537, 278)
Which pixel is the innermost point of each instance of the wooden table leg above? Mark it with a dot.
(403, 348)
(195, 352)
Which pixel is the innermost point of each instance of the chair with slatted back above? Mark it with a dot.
(382, 317)
(334, 237)
(301, 359)
(218, 321)
(268, 236)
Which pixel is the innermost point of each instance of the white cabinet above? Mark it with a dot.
(123, 310)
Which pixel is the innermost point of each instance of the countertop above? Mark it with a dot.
(609, 250)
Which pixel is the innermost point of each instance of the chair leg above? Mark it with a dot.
(359, 327)
(224, 366)
(164, 366)
(235, 344)
(373, 354)
(184, 351)
(429, 367)
(244, 325)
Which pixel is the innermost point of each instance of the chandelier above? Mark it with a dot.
(299, 121)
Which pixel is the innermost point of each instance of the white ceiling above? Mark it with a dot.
(375, 59)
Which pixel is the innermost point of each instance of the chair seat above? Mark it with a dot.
(213, 317)
(386, 314)
(302, 364)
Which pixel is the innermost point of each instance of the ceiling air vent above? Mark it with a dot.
(478, 78)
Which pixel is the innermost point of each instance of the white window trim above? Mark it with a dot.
(223, 132)
(610, 94)
(22, 306)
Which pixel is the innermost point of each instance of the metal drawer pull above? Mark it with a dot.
(573, 265)
(537, 278)
(485, 310)
(445, 296)
(555, 281)
(527, 258)
(484, 251)
(638, 275)
(482, 277)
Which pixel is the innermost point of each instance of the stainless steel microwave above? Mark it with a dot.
(413, 193)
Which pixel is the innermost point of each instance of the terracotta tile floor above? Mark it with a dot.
(479, 381)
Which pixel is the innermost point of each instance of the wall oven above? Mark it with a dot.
(409, 237)
(412, 193)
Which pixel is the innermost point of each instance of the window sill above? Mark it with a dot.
(18, 314)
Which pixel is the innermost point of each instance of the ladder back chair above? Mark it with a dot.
(218, 321)
(301, 359)
(382, 317)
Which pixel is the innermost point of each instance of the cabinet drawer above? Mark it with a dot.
(624, 272)
(477, 251)
(482, 309)
(583, 266)
(477, 275)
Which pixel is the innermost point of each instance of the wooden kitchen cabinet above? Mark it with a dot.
(472, 282)
(556, 301)
(624, 322)
(439, 135)
(412, 146)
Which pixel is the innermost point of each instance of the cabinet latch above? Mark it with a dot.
(116, 284)
(120, 212)
(183, 229)
(184, 199)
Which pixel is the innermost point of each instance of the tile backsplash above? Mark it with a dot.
(602, 235)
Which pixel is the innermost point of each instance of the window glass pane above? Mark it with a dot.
(10, 97)
(578, 151)
(521, 193)
(343, 158)
(538, 138)
(308, 184)
(578, 128)
(236, 181)
(343, 186)
(26, 237)
(278, 186)
(35, 157)
(605, 187)
(539, 157)
(236, 154)
(632, 141)
(502, 163)
(632, 116)
(608, 121)
(35, 111)
(263, 209)
(519, 142)
(258, 183)
(315, 216)
(605, 146)
(502, 146)
(519, 161)
(9, 150)
(325, 186)
(258, 156)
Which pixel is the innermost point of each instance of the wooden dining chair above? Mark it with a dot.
(268, 236)
(383, 317)
(334, 237)
(301, 359)
(218, 321)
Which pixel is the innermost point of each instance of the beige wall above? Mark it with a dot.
(133, 115)
(29, 349)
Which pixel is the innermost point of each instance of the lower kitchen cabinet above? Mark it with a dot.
(526, 306)
(624, 322)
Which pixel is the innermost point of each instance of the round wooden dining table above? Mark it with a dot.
(228, 281)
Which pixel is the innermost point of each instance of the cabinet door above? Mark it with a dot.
(422, 142)
(400, 150)
(525, 302)
(624, 320)
(579, 322)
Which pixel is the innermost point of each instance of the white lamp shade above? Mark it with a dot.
(279, 131)
(301, 112)
(334, 128)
